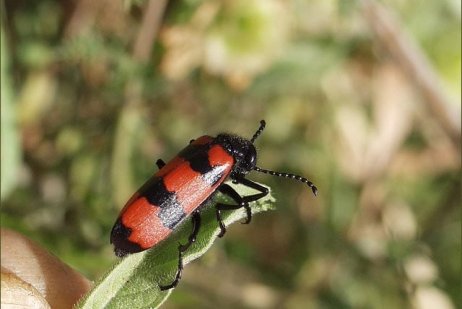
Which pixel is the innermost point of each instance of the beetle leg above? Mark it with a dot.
(160, 163)
(229, 191)
(178, 273)
(242, 201)
(249, 183)
(196, 220)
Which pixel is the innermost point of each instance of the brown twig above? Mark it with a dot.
(415, 65)
(148, 30)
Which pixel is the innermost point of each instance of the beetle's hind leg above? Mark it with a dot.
(196, 220)
(160, 163)
(241, 201)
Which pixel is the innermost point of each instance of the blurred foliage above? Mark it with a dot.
(10, 140)
(91, 117)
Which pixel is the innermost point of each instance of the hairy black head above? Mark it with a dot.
(242, 150)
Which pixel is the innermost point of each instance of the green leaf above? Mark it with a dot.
(134, 281)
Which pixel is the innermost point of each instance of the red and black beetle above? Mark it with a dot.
(183, 185)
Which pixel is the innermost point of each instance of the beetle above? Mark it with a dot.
(181, 187)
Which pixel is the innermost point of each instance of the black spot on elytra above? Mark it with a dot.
(119, 237)
(156, 193)
(198, 158)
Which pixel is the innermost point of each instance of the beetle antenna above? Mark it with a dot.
(288, 175)
(260, 129)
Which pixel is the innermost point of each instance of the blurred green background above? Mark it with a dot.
(93, 92)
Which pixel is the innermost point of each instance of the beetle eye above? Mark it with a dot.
(251, 159)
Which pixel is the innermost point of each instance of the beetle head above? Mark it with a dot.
(243, 152)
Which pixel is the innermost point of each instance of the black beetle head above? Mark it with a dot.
(243, 152)
(245, 156)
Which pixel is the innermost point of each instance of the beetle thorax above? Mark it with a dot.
(242, 150)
